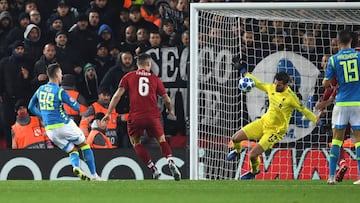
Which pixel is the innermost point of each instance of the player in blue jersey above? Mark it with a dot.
(47, 103)
(345, 67)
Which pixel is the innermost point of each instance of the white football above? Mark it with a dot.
(246, 84)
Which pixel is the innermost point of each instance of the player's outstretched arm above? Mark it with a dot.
(114, 101)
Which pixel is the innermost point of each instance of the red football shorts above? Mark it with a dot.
(152, 126)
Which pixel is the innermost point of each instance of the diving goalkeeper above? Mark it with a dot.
(272, 126)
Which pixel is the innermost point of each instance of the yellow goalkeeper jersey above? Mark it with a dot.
(281, 106)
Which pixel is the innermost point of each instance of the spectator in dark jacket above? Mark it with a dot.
(66, 56)
(124, 64)
(39, 76)
(63, 11)
(14, 85)
(82, 40)
(94, 21)
(102, 60)
(17, 33)
(55, 26)
(138, 21)
(107, 12)
(5, 27)
(33, 44)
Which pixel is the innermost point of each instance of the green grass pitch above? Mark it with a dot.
(185, 191)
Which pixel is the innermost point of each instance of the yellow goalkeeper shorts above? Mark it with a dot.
(267, 136)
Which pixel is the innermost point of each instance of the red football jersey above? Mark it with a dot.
(143, 88)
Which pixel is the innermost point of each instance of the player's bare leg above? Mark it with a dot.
(236, 139)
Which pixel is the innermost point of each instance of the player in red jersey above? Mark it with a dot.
(143, 88)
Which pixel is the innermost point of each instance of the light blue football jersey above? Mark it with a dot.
(345, 66)
(47, 104)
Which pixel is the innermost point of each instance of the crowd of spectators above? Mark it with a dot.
(95, 42)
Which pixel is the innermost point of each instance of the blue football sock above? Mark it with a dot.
(74, 159)
(334, 155)
(89, 158)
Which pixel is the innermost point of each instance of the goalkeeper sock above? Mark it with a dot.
(334, 155)
(357, 149)
(255, 165)
(74, 159)
(237, 146)
(88, 155)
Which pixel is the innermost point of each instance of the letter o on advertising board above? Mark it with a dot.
(122, 161)
(21, 161)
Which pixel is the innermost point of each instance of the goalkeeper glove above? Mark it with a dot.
(237, 64)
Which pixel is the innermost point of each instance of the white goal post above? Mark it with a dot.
(269, 37)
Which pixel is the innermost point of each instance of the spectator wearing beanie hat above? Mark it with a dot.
(68, 58)
(54, 25)
(17, 32)
(106, 35)
(83, 40)
(64, 12)
(102, 60)
(88, 86)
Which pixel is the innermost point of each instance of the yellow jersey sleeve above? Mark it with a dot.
(258, 84)
(301, 108)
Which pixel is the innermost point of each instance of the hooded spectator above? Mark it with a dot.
(33, 44)
(89, 85)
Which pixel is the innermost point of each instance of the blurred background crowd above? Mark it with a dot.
(96, 43)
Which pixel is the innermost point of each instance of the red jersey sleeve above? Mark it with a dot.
(160, 87)
(124, 82)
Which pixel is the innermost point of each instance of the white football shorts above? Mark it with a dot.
(342, 115)
(66, 136)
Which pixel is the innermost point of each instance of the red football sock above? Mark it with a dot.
(166, 150)
(142, 153)
(341, 156)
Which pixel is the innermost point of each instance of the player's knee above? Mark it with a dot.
(135, 141)
(161, 139)
(75, 149)
(238, 136)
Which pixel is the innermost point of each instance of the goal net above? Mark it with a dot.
(291, 37)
